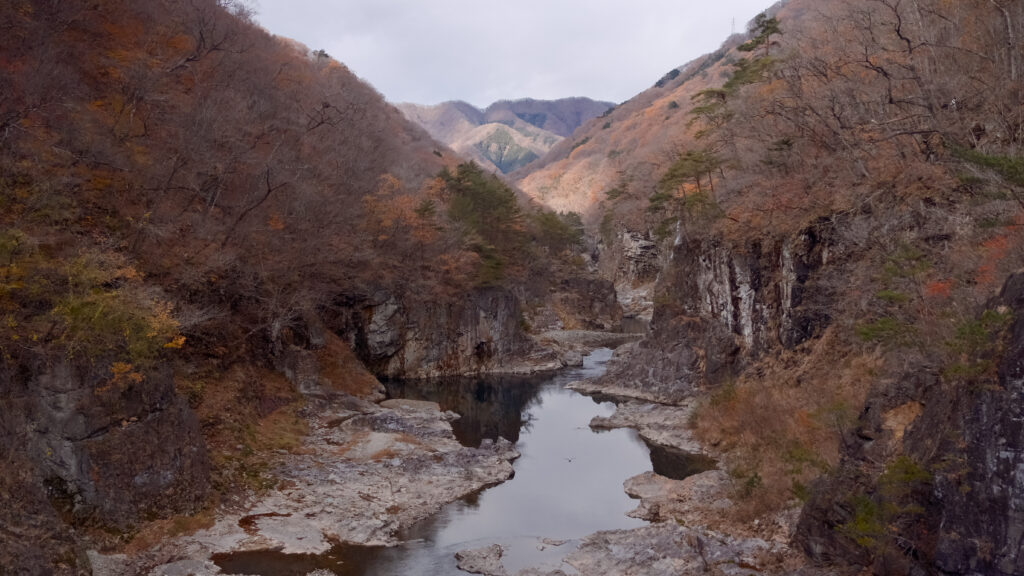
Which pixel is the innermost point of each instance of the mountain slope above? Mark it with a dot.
(507, 135)
(837, 201)
(200, 225)
(626, 145)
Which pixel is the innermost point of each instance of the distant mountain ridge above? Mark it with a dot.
(508, 134)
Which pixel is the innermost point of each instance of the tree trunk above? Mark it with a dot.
(1011, 40)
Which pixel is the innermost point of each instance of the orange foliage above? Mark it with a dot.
(939, 288)
(994, 250)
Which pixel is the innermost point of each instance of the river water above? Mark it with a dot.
(567, 484)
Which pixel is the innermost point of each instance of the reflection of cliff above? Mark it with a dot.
(489, 408)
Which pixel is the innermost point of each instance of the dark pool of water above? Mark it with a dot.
(490, 407)
(678, 464)
(567, 484)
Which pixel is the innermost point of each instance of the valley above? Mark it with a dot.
(765, 317)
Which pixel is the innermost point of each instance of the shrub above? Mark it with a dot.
(105, 313)
(1011, 168)
(972, 345)
(576, 145)
(885, 330)
(878, 519)
(614, 193)
(892, 297)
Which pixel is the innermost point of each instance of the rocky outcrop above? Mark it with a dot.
(639, 262)
(657, 424)
(33, 538)
(939, 465)
(108, 451)
(480, 333)
(721, 305)
(669, 549)
(981, 523)
(486, 560)
(365, 472)
(576, 302)
(633, 261)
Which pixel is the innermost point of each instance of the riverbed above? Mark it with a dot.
(567, 483)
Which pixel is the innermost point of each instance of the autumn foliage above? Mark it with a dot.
(241, 178)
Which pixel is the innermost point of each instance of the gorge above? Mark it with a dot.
(254, 319)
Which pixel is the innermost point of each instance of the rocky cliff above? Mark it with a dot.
(720, 305)
(931, 478)
(573, 302)
(81, 450)
(400, 337)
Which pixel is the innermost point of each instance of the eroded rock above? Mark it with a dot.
(693, 501)
(659, 424)
(669, 550)
(485, 561)
(477, 334)
(967, 442)
(365, 472)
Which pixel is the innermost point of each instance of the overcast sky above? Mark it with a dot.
(429, 51)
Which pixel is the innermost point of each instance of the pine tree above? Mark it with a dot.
(762, 29)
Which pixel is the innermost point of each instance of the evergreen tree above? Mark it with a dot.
(762, 29)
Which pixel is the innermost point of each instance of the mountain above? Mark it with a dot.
(507, 135)
(824, 218)
(213, 241)
(624, 147)
(206, 229)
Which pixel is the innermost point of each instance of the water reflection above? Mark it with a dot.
(490, 407)
(568, 482)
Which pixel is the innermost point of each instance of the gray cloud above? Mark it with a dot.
(429, 51)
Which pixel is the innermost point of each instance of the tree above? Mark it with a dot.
(693, 165)
(489, 215)
(762, 29)
(559, 232)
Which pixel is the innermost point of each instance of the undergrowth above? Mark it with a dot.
(781, 428)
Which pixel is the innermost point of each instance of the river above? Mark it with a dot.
(567, 484)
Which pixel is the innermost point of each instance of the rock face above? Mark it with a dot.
(108, 452)
(721, 305)
(633, 261)
(576, 302)
(34, 539)
(962, 515)
(481, 333)
(365, 472)
(639, 263)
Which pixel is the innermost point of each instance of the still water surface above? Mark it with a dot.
(567, 484)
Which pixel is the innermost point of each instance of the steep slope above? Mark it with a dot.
(837, 203)
(201, 226)
(504, 148)
(623, 148)
(561, 117)
(444, 122)
(507, 135)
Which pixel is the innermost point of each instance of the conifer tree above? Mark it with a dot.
(762, 28)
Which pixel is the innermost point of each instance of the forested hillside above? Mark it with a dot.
(837, 200)
(200, 220)
(210, 235)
